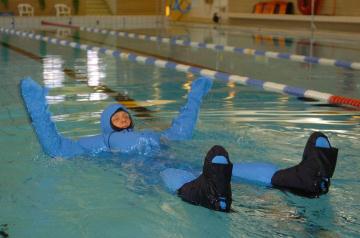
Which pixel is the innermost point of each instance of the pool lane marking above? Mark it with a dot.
(124, 99)
(218, 47)
(167, 40)
(145, 54)
(266, 86)
(22, 52)
(183, 67)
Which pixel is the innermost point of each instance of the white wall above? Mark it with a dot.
(200, 9)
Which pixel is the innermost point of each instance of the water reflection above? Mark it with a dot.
(53, 73)
(349, 83)
(93, 73)
(232, 92)
(187, 84)
(156, 85)
(55, 99)
(98, 96)
(157, 91)
(95, 68)
(313, 120)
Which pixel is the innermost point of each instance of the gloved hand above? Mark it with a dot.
(200, 87)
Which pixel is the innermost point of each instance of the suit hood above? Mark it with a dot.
(106, 115)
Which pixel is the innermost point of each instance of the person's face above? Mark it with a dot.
(121, 120)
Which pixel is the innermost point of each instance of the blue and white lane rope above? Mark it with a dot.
(232, 49)
(266, 86)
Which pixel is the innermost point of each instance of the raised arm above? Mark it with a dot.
(54, 144)
(183, 125)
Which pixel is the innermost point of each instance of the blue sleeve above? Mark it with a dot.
(254, 172)
(183, 125)
(93, 144)
(142, 142)
(175, 178)
(54, 144)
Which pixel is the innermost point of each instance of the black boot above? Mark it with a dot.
(212, 189)
(310, 178)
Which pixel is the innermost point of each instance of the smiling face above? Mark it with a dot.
(121, 120)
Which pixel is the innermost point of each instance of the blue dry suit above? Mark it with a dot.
(128, 140)
(316, 154)
(125, 141)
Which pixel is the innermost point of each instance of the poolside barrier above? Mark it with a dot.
(266, 86)
(245, 51)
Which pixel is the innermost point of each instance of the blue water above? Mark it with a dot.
(123, 196)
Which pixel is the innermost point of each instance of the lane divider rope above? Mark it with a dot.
(266, 86)
(218, 47)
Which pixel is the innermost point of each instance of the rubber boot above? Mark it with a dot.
(212, 189)
(311, 177)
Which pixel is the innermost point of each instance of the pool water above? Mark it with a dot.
(123, 195)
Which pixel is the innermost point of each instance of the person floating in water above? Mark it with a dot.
(117, 125)
(212, 189)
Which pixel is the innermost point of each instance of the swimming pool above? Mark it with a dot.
(123, 195)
